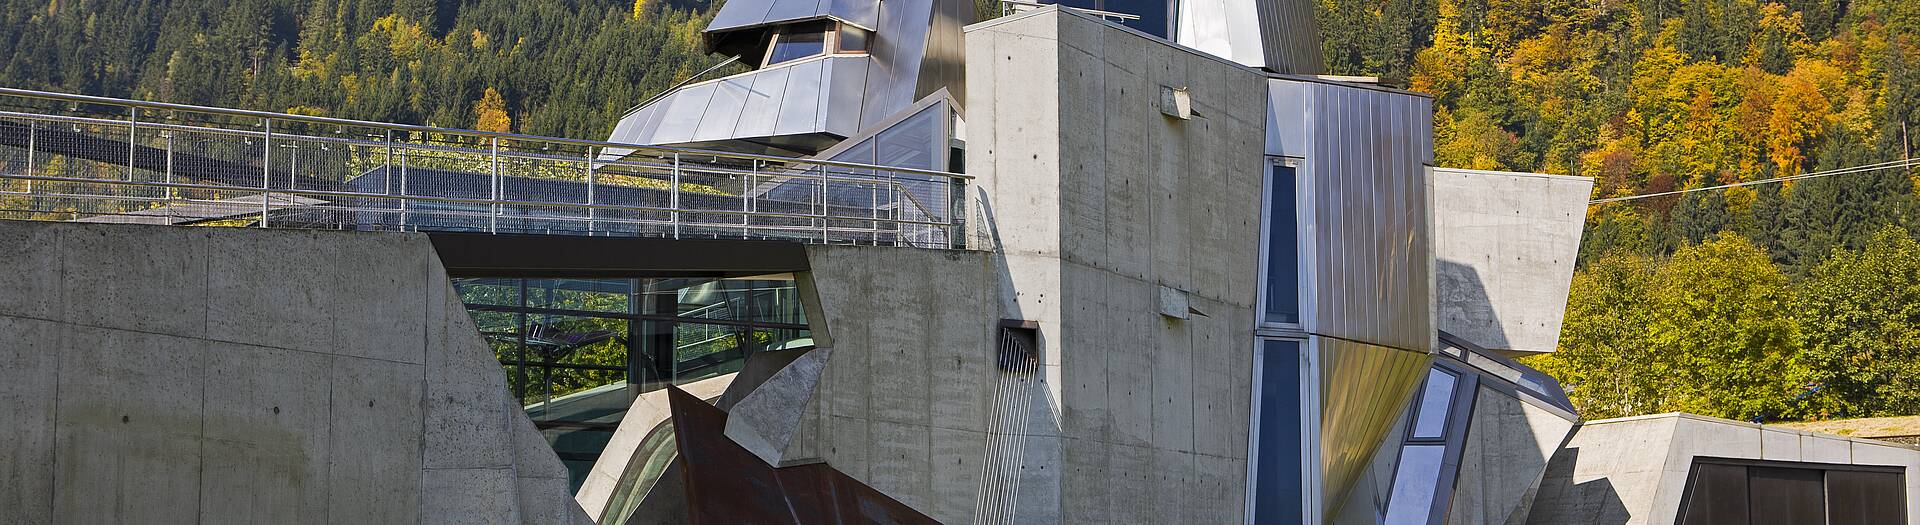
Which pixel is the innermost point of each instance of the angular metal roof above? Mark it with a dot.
(747, 14)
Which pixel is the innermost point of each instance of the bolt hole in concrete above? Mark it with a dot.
(276, 410)
(124, 419)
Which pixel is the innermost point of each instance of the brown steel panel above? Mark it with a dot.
(1715, 494)
(726, 484)
(1865, 498)
(1785, 496)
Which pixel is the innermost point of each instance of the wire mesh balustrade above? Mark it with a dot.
(93, 159)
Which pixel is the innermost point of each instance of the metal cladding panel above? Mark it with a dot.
(944, 61)
(845, 88)
(801, 106)
(681, 114)
(736, 14)
(863, 13)
(1226, 28)
(897, 50)
(1291, 36)
(762, 105)
(723, 111)
(1504, 245)
(744, 14)
(1363, 391)
(1364, 153)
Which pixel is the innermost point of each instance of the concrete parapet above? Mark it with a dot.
(204, 375)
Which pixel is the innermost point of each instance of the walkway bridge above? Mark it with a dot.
(70, 157)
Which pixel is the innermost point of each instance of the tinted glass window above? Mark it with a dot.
(1431, 418)
(852, 39)
(794, 46)
(1277, 475)
(1283, 249)
(1414, 484)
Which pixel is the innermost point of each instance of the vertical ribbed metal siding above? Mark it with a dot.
(1291, 36)
(1365, 153)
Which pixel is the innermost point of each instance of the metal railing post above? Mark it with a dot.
(826, 227)
(266, 169)
(133, 121)
(169, 176)
(404, 201)
(386, 171)
(32, 127)
(592, 209)
(673, 196)
(493, 214)
(746, 199)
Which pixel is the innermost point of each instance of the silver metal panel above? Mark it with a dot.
(1291, 37)
(740, 13)
(785, 10)
(897, 49)
(723, 112)
(745, 14)
(681, 114)
(943, 64)
(762, 105)
(1226, 28)
(1364, 389)
(1504, 245)
(801, 106)
(845, 88)
(863, 13)
(1364, 156)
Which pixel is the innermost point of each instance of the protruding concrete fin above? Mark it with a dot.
(768, 419)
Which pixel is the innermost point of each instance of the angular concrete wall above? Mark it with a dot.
(903, 402)
(1509, 442)
(1634, 470)
(198, 375)
(1504, 245)
(1095, 201)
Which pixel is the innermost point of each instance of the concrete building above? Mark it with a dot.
(1047, 268)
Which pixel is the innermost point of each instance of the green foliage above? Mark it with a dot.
(559, 68)
(1861, 313)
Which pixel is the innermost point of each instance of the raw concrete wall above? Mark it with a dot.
(903, 402)
(1504, 245)
(1096, 201)
(1508, 444)
(1634, 470)
(156, 374)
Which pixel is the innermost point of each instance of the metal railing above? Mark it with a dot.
(96, 159)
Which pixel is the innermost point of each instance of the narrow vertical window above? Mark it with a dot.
(1283, 248)
(1278, 470)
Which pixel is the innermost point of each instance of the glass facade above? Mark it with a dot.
(1286, 419)
(578, 351)
(1282, 279)
(1430, 450)
(1278, 469)
(797, 43)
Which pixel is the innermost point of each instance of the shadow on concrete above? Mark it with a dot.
(1561, 501)
(1463, 307)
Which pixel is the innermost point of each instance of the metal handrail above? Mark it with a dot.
(237, 161)
(662, 150)
(452, 200)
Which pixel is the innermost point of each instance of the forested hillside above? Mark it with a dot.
(558, 68)
(1773, 301)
